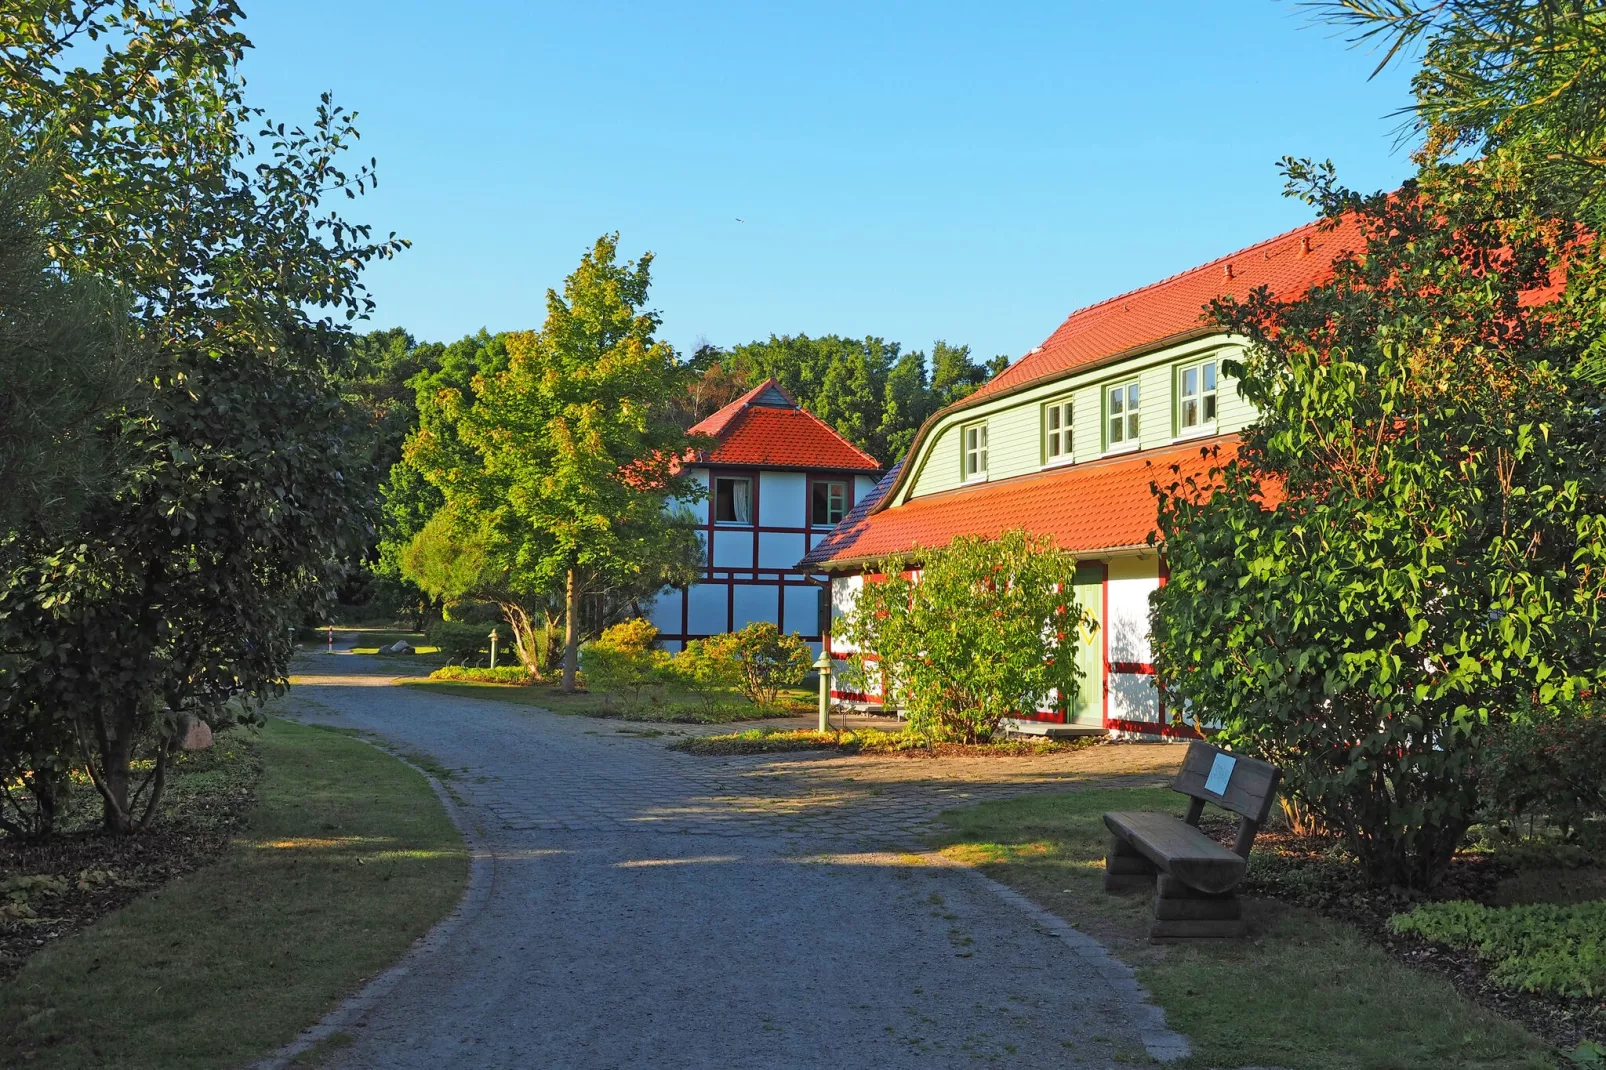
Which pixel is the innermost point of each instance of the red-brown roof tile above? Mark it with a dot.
(1086, 508)
(754, 430)
(1288, 264)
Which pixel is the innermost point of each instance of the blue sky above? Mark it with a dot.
(915, 171)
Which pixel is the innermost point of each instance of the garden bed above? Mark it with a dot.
(1313, 873)
(55, 888)
(871, 741)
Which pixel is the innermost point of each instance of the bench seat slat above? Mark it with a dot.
(1179, 849)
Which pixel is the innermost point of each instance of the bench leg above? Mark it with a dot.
(1184, 913)
(1125, 870)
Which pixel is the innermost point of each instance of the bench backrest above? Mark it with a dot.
(1235, 782)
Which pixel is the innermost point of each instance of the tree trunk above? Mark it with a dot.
(115, 760)
(571, 633)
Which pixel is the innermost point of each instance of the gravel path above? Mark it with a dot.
(644, 908)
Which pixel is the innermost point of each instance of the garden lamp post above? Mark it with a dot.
(823, 664)
(493, 649)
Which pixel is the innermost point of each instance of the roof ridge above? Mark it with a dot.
(1156, 284)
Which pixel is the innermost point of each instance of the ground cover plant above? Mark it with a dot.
(870, 741)
(346, 858)
(514, 675)
(1303, 990)
(1540, 947)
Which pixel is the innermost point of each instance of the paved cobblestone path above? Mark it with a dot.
(650, 909)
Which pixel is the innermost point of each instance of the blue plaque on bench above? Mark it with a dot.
(1220, 774)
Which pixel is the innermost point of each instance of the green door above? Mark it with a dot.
(1089, 706)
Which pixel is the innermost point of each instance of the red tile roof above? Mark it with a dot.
(766, 428)
(1087, 508)
(1288, 264)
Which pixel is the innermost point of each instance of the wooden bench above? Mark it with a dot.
(1194, 877)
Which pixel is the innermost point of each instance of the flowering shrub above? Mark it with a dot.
(1551, 767)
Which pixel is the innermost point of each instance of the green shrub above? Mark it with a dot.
(706, 677)
(758, 661)
(1551, 767)
(502, 674)
(1538, 948)
(463, 642)
(624, 661)
(987, 631)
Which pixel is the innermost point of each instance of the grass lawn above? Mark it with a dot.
(346, 860)
(378, 641)
(1302, 991)
(669, 707)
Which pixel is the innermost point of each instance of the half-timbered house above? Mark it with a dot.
(778, 479)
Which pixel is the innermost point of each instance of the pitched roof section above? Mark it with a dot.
(1288, 264)
(1097, 506)
(766, 428)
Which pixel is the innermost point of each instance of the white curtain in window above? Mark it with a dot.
(742, 501)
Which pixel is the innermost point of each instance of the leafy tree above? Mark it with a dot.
(176, 594)
(451, 561)
(1408, 548)
(1518, 78)
(67, 356)
(975, 635)
(575, 450)
(440, 382)
(713, 385)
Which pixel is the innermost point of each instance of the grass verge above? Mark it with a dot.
(670, 707)
(1301, 991)
(868, 741)
(347, 859)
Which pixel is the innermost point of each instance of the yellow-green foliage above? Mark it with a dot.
(759, 661)
(624, 661)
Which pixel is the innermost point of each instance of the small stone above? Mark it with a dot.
(400, 646)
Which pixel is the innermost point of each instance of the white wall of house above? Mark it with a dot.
(752, 572)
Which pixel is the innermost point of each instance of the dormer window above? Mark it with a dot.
(1196, 397)
(1057, 445)
(733, 500)
(1121, 411)
(974, 438)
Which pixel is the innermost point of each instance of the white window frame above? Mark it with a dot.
(1130, 418)
(1059, 443)
(1203, 399)
(973, 452)
(714, 503)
